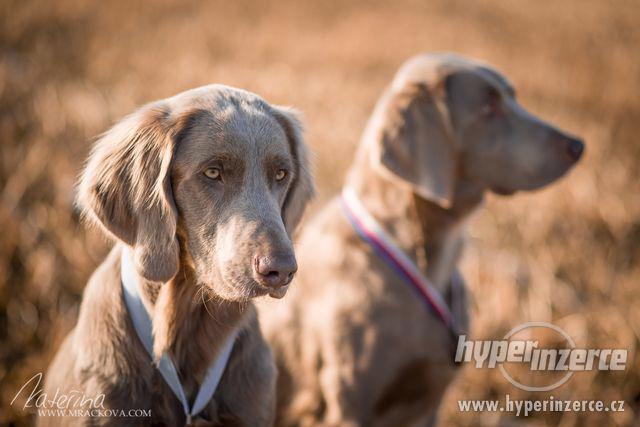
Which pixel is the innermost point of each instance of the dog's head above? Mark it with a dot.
(447, 119)
(213, 179)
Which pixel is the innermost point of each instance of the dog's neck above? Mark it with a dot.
(428, 233)
(189, 324)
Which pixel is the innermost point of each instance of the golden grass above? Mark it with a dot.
(569, 254)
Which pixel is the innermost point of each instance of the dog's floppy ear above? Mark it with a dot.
(302, 189)
(126, 188)
(416, 143)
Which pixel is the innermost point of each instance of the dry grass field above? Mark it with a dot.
(569, 254)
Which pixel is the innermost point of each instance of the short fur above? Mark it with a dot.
(354, 344)
(195, 241)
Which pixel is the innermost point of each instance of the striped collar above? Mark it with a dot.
(143, 326)
(373, 234)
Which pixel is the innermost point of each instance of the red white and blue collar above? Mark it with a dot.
(372, 233)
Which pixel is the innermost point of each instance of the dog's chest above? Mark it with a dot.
(414, 389)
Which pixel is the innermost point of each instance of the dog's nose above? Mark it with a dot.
(575, 148)
(275, 271)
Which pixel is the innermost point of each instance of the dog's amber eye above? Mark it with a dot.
(212, 173)
(488, 110)
(281, 174)
(491, 108)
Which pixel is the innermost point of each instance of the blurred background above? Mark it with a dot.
(569, 254)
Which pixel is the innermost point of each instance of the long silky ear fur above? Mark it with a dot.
(302, 188)
(416, 143)
(126, 189)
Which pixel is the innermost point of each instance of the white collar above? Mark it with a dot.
(143, 326)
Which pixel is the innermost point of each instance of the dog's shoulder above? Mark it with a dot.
(104, 341)
(102, 312)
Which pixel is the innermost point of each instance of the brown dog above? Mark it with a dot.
(204, 189)
(354, 343)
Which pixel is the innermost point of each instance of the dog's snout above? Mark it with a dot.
(275, 271)
(575, 148)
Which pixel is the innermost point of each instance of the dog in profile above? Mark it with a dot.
(367, 336)
(201, 193)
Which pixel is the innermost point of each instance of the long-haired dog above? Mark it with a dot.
(367, 336)
(201, 192)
